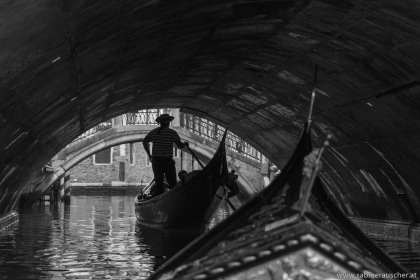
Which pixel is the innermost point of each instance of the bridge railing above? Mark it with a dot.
(212, 131)
(144, 117)
(93, 131)
(141, 117)
(197, 125)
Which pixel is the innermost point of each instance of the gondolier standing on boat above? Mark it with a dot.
(163, 139)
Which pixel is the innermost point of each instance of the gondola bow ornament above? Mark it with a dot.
(284, 232)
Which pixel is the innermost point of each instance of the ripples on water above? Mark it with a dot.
(93, 238)
(99, 238)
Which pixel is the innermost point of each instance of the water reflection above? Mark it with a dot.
(94, 238)
(97, 237)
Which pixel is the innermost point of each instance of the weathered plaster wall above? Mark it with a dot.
(138, 172)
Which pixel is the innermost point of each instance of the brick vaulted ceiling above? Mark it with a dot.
(66, 66)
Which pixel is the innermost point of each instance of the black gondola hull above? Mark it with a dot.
(189, 204)
(180, 207)
(271, 238)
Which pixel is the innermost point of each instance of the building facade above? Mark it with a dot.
(127, 163)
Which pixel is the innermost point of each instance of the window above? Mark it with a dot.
(103, 157)
(122, 150)
(132, 153)
(121, 173)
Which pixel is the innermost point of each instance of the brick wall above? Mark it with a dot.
(140, 173)
(88, 172)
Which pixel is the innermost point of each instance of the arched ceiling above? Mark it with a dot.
(67, 65)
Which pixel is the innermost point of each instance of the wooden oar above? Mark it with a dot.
(145, 189)
(202, 166)
(196, 158)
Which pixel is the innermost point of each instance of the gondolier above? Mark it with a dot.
(163, 139)
(192, 201)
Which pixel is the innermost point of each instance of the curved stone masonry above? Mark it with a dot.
(247, 65)
(72, 155)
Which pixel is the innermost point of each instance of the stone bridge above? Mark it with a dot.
(67, 66)
(247, 168)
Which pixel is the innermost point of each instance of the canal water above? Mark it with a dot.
(97, 237)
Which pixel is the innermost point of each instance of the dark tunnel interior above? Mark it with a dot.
(67, 66)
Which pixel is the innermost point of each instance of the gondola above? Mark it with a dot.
(291, 230)
(188, 204)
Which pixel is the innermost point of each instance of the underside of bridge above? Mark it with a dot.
(68, 65)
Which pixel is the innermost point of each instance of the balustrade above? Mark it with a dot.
(93, 131)
(212, 131)
(144, 117)
(197, 125)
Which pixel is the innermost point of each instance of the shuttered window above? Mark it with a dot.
(103, 157)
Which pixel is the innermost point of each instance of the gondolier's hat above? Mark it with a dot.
(164, 118)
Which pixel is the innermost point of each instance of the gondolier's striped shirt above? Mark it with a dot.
(163, 142)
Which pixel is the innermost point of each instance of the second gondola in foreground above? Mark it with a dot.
(286, 232)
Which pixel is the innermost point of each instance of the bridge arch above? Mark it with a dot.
(245, 64)
(74, 154)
